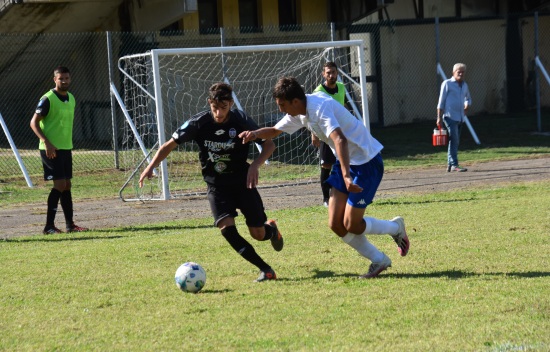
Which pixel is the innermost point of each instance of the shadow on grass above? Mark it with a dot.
(84, 237)
(156, 228)
(58, 239)
(449, 274)
(206, 291)
(458, 274)
(323, 274)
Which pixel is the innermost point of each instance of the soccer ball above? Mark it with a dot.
(190, 277)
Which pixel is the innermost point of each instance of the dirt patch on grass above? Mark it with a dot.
(25, 220)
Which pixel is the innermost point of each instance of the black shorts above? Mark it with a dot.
(225, 200)
(58, 168)
(326, 156)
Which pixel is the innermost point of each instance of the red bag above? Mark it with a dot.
(440, 137)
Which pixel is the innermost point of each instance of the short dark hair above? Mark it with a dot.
(220, 92)
(60, 69)
(330, 64)
(288, 88)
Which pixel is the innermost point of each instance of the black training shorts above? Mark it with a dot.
(58, 168)
(225, 200)
(326, 156)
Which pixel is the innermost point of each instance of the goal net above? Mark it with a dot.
(164, 87)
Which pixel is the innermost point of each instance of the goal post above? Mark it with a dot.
(163, 88)
(16, 152)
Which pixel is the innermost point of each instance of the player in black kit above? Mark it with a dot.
(230, 178)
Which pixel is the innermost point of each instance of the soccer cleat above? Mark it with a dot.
(325, 202)
(449, 168)
(51, 230)
(75, 228)
(266, 275)
(377, 268)
(401, 237)
(277, 240)
(458, 169)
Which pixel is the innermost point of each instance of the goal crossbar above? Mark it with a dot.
(251, 48)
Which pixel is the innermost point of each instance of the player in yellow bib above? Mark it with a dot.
(337, 91)
(52, 123)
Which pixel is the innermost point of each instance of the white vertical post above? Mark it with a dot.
(362, 78)
(113, 111)
(114, 92)
(160, 122)
(537, 77)
(15, 152)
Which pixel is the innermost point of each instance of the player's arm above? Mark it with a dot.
(439, 115)
(268, 147)
(262, 133)
(441, 102)
(35, 126)
(342, 151)
(315, 140)
(160, 155)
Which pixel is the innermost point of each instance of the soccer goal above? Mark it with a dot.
(163, 88)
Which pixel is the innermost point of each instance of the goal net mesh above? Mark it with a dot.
(184, 82)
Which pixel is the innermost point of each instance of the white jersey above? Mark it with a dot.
(323, 116)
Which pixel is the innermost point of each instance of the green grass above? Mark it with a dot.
(476, 279)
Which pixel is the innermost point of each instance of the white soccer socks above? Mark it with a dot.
(380, 227)
(363, 246)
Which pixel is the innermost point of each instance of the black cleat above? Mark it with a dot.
(277, 240)
(51, 230)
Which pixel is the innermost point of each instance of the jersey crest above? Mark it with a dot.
(220, 167)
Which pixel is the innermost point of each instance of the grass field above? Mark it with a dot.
(476, 279)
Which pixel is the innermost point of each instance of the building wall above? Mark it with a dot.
(228, 13)
(314, 11)
(270, 13)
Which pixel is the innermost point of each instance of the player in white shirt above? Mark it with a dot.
(355, 176)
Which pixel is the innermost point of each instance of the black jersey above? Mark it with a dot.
(222, 154)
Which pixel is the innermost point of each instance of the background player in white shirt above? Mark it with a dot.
(355, 176)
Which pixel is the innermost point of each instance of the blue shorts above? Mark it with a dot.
(368, 176)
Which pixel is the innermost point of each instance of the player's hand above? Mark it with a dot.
(147, 173)
(247, 136)
(315, 141)
(51, 150)
(352, 187)
(252, 176)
